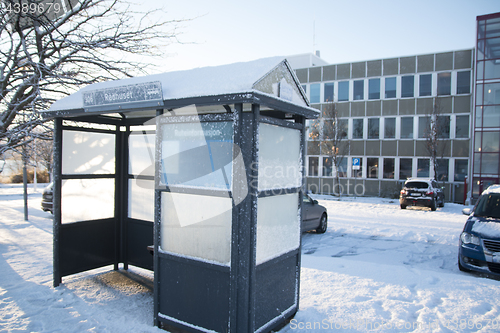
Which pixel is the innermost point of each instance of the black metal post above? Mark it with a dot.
(118, 195)
(156, 232)
(57, 178)
(125, 196)
(247, 224)
(239, 176)
(25, 185)
(301, 120)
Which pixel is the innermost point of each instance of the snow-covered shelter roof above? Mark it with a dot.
(270, 82)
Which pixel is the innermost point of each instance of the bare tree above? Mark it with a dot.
(39, 154)
(437, 134)
(44, 154)
(49, 49)
(333, 139)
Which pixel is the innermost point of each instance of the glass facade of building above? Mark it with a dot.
(486, 154)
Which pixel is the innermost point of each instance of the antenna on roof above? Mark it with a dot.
(314, 36)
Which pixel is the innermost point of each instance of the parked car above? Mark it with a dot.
(421, 192)
(47, 195)
(479, 244)
(314, 216)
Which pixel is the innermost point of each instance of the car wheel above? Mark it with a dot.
(403, 206)
(323, 224)
(433, 204)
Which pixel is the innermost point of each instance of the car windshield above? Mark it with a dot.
(488, 206)
(416, 185)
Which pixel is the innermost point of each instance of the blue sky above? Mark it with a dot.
(344, 31)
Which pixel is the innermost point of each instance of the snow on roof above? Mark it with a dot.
(305, 60)
(492, 189)
(205, 81)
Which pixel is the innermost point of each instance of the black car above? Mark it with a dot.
(314, 216)
(421, 192)
(47, 195)
(479, 243)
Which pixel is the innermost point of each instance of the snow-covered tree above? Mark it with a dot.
(49, 49)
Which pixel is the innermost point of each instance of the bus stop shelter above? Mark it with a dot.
(205, 168)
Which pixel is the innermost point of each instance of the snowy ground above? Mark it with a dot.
(377, 269)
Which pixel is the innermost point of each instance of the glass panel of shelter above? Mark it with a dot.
(196, 172)
(91, 183)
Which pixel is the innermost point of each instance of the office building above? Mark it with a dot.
(387, 108)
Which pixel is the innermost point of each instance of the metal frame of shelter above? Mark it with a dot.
(189, 294)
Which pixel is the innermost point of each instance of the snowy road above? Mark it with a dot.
(377, 269)
(380, 268)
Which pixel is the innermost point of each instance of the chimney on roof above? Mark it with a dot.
(317, 54)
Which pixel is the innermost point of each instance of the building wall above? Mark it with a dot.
(385, 105)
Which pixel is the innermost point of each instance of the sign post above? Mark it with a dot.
(356, 165)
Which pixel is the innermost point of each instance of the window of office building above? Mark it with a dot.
(313, 128)
(489, 163)
(343, 128)
(491, 116)
(328, 92)
(406, 127)
(462, 127)
(315, 92)
(328, 129)
(390, 87)
(491, 93)
(373, 128)
(424, 126)
(489, 69)
(390, 128)
(461, 170)
(407, 86)
(304, 87)
(423, 167)
(389, 168)
(425, 85)
(313, 166)
(357, 128)
(479, 116)
(374, 89)
(342, 169)
(444, 84)
(490, 142)
(463, 82)
(443, 127)
(405, 168)
(327, 166)
(344, 91)
(442, 169)
(372, 164)
(358, 90)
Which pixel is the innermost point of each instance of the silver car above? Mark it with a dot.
(314, 216)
